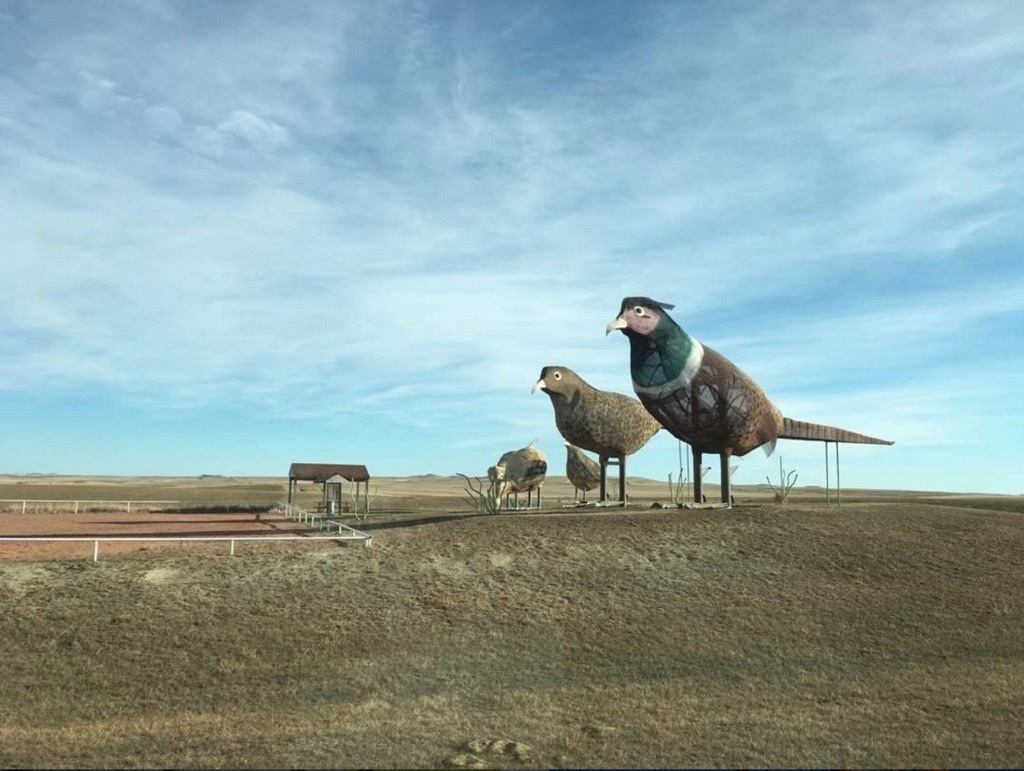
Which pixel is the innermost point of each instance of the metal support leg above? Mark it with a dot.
(604, 479)
(828, 493)
(622, 479)
(698, 481)
(726, 482)
(839, 493)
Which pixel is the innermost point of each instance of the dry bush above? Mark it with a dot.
(484, 500)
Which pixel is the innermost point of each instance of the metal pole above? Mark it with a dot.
(689, 479)
(679, 447)
(698, 481)
(828, 500)
(839, 500)
(726, 482)
(232, 547)
(96, 551)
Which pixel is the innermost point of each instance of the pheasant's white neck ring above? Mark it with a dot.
(694, 359)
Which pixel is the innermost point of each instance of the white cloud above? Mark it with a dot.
(260, 132)
(163, 120)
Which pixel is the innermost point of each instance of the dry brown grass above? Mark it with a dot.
(885, 633)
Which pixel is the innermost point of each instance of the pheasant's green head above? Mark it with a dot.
(660, 351)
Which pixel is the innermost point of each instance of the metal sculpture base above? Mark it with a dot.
(698, 478)
(607, 461)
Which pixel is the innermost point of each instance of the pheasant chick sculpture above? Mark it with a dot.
(703, 398)
(610, 424)
(583, 472)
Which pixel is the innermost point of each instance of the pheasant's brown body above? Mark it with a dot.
(583, 472)
(721, 410)
(604, 422)
(703, 398)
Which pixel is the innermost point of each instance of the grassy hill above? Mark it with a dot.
(884, 633)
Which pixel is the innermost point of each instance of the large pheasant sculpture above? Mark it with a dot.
(703, 398)
(611, 424)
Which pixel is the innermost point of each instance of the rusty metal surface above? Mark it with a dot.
(816, 432)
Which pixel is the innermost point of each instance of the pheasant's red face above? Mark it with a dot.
(640, 319)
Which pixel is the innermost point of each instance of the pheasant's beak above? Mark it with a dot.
(539, 384)
(617, 323)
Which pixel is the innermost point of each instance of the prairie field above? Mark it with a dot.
(885, 632)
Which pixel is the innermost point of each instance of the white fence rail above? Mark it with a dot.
(320, 521)
(62, 503)
(165, 538)
(344, 532)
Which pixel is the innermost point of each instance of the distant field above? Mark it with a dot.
(883, 633)
(387, 493)
(187, 490)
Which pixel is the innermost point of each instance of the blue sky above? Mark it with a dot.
(240, 234)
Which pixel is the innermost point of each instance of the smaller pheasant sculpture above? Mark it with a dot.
(583, 472)
(610, 424)
(703, 398)
(519, 471)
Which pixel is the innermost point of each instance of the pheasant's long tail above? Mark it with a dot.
(816, 432)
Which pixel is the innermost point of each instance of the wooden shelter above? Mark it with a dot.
(331, 476)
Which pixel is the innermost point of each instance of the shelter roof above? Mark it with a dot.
(321, 472)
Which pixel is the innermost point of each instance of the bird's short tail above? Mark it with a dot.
(816, 432)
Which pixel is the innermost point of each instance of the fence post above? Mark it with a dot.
(96, 551)
(232, 547)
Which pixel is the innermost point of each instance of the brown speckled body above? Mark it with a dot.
(583, 472)
(605, 422)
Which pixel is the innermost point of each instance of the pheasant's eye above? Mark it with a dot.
(558, 375)
(638, 310)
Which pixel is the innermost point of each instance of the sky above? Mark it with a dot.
(234, 235)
